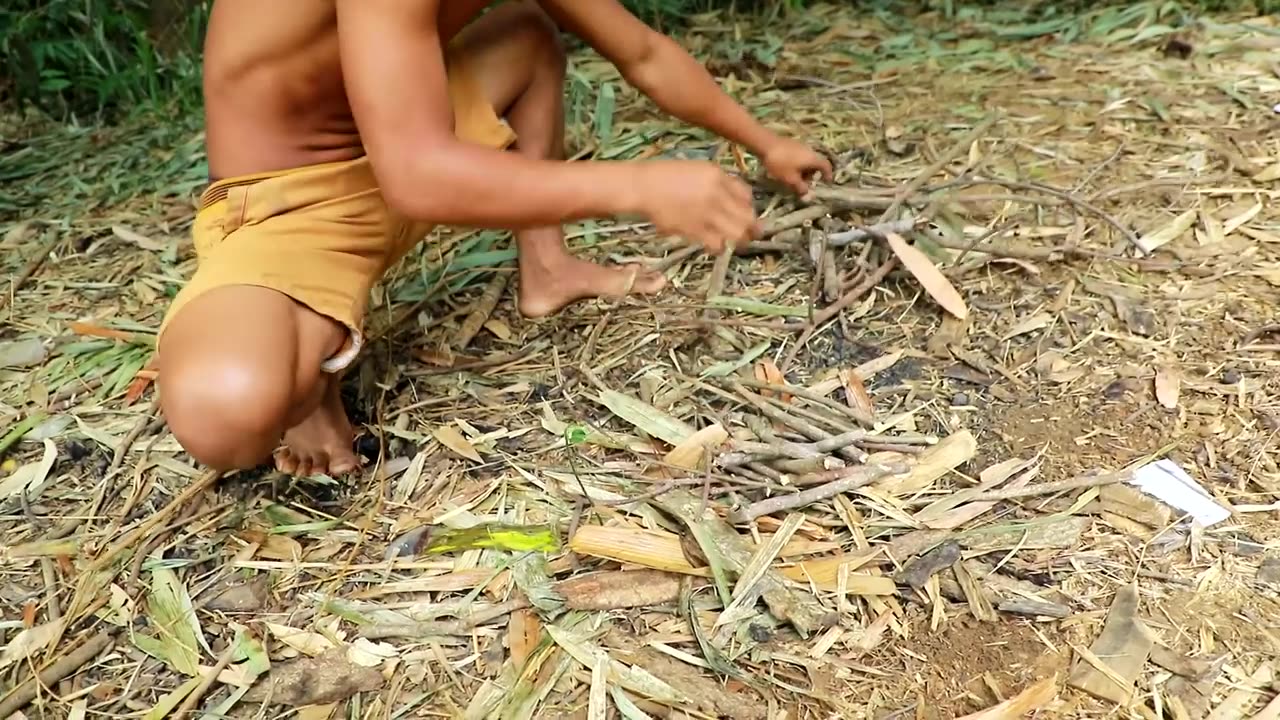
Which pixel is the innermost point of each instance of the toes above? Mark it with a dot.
(648, 282)
(286, 461)
(342, 463)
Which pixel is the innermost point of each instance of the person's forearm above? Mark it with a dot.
(680, 85)
(456, 183)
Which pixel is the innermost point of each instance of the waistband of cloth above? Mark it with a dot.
(219, 189)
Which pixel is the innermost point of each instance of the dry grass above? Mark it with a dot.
(682, 452)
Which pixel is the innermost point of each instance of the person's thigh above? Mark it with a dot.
(240, 364)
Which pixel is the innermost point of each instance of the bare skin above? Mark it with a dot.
(284, 88)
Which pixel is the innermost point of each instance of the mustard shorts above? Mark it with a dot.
(320, 234)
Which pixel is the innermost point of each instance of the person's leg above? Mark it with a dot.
(514, 52)
(240, 370)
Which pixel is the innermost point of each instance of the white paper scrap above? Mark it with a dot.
(1170, 484)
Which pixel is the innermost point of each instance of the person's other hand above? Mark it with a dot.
(793, 163)
(697, 201)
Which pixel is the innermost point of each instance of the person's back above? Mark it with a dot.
(273, 89)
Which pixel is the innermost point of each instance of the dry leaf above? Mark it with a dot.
(1168, 233)
(1168, 386)
(366, 653)
(932, 279)
(1031, 324)
(855, 392)
(30, 641)
(691, 452)
(1016, 707)
(500, 329)
(1233, 224)
(524, 631)
(767, 371)
(1213, 232)
(1271, 173)
(449, 436)
(304, 641)
(138, 239)
(871, 368)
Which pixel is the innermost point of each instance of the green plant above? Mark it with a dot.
(100, 57)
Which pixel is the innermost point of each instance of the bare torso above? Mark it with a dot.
(273, 89)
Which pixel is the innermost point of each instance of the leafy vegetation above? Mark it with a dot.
(108, 58)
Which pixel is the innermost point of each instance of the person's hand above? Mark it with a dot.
(697, 201)
(793, 163)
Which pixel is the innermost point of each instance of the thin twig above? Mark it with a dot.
(64, 667)
(33, 267)
(834, 309)
(853, 478)
(961, 147)
(206, 682)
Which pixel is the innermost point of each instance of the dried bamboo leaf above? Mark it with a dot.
(632, 678)
(691, 453)
(646, 417)
(448, 436)
(1033, 698)
(30, 641)
(931, 279)
(1168, 232)
(1122, 647)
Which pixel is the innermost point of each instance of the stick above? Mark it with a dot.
(800, 425)
(480, 314)
(461, 626)
(854, 478)
(848, 237)
(33, 267)
(833, 310)
(135, 432)
(65, 667)
(206, 682)
(773, 226)
(1049, 488)
(830, 275)
(813, 397)
(923, 176)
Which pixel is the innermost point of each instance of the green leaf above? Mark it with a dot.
(606, 103)
(722, 369)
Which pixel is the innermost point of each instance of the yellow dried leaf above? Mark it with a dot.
(29, 642)
(1017, 707)
(1168, 233)
(931, 279)
(1213, 232)
(1271, 173)
(690, 453)
(500, 329)
(448, 436)
(1031, 324)
(1235, 223)
(304, 641)
(855, 392)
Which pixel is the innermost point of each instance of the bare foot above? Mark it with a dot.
(545, 289)
(321, 443)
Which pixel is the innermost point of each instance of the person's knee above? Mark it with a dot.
(226, 413)
(541, 32)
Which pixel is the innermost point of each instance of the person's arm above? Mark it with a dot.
(393, 67)
(660, 68)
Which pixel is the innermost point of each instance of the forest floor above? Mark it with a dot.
(1072, 275)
